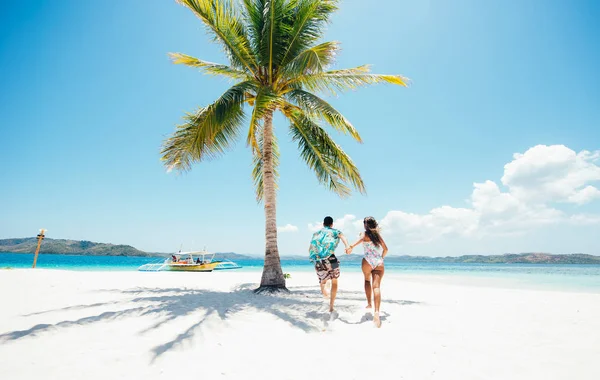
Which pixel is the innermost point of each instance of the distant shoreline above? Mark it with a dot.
(85, 248)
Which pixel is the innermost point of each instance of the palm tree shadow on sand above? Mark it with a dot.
(303, 308)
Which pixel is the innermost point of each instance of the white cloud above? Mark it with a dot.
(501, 213)
(438, 222)
(581, 219)
(287, 228)
(585, 195)
(553, 174)
(535, 181)
(348, 224)
(314, 227)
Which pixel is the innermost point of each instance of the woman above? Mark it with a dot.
(372, 263)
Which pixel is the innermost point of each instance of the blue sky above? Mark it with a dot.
(87, 95)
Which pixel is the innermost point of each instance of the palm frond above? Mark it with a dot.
(257, 171)
(314, 106)
(209, 67)
(209, 132)
(310, 16)
(273, 34)
(253, 15)
(332, 166)
(345, 79)
(221, 18)
(314, 59)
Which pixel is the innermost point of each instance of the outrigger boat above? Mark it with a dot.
(193, 261)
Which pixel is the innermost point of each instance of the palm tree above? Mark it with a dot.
(277, 64)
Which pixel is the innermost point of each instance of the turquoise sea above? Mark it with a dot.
(570, 277)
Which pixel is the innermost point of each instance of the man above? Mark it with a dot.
(321, 253)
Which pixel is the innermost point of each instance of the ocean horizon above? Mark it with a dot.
(566, 277)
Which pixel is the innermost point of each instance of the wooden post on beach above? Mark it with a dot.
(40, 237)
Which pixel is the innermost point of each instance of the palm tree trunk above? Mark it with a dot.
(272, 276)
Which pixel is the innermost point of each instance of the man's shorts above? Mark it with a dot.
(328, 268)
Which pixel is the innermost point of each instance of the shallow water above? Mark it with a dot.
(570, 277)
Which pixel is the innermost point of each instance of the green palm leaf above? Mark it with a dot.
(313, 60)
(273, 35)
(344, 80)
(207, 133)
(310, 16)
(317, 107)
(332, 166)
(222, 20)
(253, 16)
(209, 67)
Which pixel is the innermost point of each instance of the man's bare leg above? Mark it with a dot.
(334, 286)
(324, 288)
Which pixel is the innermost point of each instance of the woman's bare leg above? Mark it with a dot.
(377, 276)
(366, 268)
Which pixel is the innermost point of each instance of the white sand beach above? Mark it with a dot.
(133, 325)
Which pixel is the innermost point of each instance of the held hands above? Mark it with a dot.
(348, 250)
